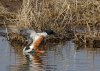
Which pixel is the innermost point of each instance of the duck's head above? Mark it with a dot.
(49, 31)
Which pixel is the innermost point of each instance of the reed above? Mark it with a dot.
(59, 15)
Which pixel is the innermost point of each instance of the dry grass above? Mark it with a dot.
(59, 15)
(43, 14)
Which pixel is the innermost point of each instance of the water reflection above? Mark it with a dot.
(58, 57)
(28, 61)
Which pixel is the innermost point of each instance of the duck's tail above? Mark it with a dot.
(27, 50)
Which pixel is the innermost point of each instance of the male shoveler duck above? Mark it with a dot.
(36, 40)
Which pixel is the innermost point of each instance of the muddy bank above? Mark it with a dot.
(15, 36)
(18, 38)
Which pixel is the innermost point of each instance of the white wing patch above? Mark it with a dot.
(32, 34)
(43, 34)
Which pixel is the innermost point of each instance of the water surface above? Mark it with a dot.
(61, 57)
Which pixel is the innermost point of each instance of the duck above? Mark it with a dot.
(35, 40)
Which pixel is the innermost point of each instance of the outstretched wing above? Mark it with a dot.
(28, 33)
(32, 33)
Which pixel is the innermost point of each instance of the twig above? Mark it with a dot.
(6, 30)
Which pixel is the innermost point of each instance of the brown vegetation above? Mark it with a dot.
(59, 15)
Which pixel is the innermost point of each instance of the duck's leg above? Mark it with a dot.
(40, 51)
(43, 49)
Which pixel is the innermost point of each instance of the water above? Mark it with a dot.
(61, 57)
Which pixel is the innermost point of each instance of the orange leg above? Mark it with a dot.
(40, 51)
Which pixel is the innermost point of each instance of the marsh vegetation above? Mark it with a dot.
(76, 22)
(69, 18)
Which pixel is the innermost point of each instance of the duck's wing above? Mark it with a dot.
(44, 34)
(28, 33)
(32, 34)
